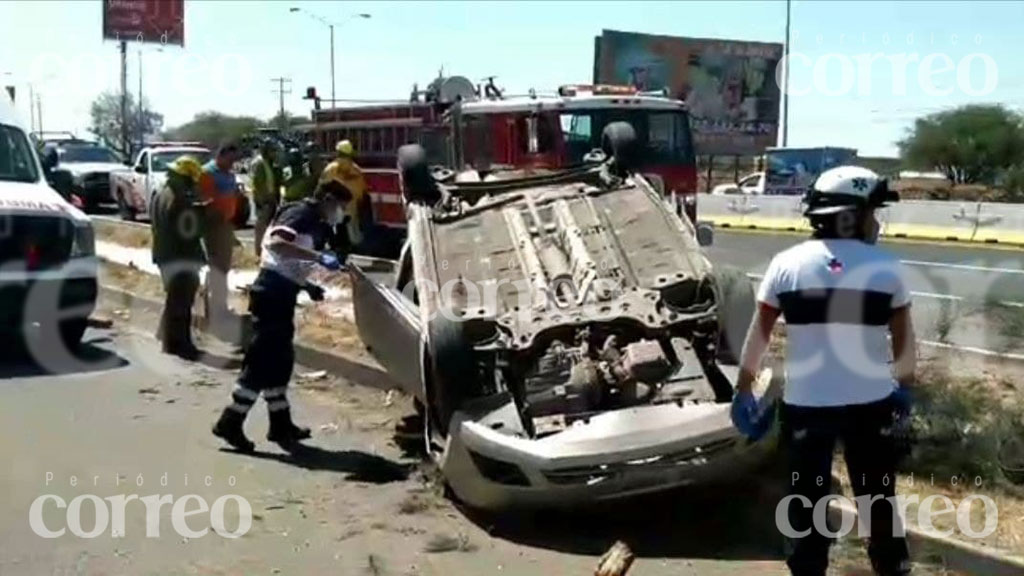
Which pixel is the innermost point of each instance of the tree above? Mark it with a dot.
(211, 128)
(970, 144)
(287, 121)
(105, 115)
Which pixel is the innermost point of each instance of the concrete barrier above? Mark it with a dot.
(918, 219)
(932, 220)
(753, 212)
(1000, 223)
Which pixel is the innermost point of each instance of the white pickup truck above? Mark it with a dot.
(134, 187)
(751, 184)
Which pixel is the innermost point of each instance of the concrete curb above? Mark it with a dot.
(954, 554)
(356, 370)
(733, 224)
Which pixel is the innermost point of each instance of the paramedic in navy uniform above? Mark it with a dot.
(841, 296)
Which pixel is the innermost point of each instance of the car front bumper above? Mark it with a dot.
(61, 294)
(614, 455)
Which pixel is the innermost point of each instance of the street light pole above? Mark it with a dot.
(330, 25)
(785, 88)
(332, 65)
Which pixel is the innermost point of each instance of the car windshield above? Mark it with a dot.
(87, 154)
(664, 134)
(17, 164)
(161, 160)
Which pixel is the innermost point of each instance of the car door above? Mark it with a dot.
(388, 322)
(138, 178)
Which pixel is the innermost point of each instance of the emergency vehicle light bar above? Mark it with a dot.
(597, 90)
(174, 144)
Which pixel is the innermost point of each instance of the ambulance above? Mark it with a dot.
(48, 266)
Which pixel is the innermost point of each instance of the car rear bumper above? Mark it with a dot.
(614, 455)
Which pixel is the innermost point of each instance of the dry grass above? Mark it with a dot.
(134, 236)
(967, 410)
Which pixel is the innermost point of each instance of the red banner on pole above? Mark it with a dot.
(152, 21)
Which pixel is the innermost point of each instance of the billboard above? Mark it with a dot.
(156, 21)
(728, 85)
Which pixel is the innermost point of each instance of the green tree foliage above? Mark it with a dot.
(970, 144)
(212, 128)
(105, 122)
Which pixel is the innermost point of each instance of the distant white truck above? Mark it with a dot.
(133, 188)
(749, 185)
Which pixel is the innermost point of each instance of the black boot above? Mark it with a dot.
(283, 431)
(229, 428)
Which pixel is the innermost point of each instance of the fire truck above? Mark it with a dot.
(498, 132)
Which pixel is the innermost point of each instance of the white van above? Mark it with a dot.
(48, 267)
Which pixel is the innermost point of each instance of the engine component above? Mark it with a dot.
(645, 361)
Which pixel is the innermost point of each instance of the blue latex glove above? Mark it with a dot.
(329, 261)
(748, 418)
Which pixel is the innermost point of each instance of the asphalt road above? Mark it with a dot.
(952, 285)
(126, 420)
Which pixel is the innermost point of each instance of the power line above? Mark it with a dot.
(281, 91)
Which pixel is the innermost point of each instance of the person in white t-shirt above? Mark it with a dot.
(842, 296)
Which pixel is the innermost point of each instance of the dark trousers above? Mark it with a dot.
(270, 357)
(181, 282)
(810, 435)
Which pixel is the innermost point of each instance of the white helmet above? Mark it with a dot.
(847, 188)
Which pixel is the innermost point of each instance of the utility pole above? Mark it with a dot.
(785, 84)
(31, 105)
(281, 91)
(39, 111)
(142, 116)
(125, 146)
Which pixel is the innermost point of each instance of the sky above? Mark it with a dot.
(953, 52)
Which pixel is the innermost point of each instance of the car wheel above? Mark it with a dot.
(619, 141)
(72, 331)
(453, 372)
(734, 294)
(126, 212)
(418, 185)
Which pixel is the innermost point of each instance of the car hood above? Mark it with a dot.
(90, 167)
(35, 198)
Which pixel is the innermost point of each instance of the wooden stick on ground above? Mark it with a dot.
(616, 561)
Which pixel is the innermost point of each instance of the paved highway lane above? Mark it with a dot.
(974, 272)
(950, 284)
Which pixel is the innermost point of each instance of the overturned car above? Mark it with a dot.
(563, 334)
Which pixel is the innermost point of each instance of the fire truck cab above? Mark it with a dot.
(462, 125)
(557, 131)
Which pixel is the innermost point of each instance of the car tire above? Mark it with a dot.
(72, 331)
(418, 185)
(619, 141)
(452, 369)
(734, 295)
(126, 212)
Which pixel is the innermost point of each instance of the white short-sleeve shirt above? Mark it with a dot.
(837, 297)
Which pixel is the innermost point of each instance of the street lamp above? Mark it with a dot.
(330, 25)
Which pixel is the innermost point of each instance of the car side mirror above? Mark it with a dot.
(141, 169)
(705, 234)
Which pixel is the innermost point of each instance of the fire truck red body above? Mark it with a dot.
(499, 133)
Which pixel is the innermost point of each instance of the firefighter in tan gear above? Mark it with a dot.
(359, 213)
